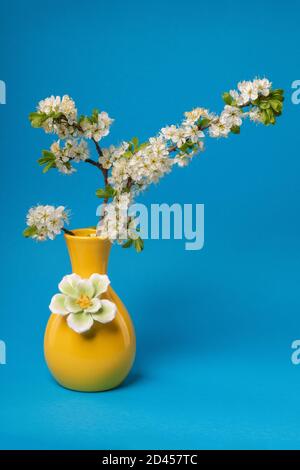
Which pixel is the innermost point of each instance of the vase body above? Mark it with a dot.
(101, 358)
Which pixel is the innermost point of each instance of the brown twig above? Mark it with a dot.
(100, 153)
(99, 150)
(68, 232)
(94, 163)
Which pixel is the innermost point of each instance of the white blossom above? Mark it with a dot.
(263, 86)
(169, 132)
(56, 104)
(116, 223)
(196, 113)
(219, 129)
(73, 150)
(239, 99)
(248, 90)
(157, 146)
(96, 130)
(231, 116)
(46, 221)
(180, 137)
(255, 115)
(111, 154)
(193, 133)
(65, 126)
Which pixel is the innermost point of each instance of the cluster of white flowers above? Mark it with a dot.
(59, 116)
(176, 137)
(45, 222)
(249, 91)
(180, 135)
(73, 150)
(112, 154)
(141, 168)
(230, 117)
(116, 223)
(255, 114)
(96, 128)
(134, 170)
(132, 167)
(55, 106)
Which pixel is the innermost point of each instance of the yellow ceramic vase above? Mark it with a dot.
(101, 358)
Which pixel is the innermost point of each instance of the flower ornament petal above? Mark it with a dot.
(85, 287)
(80, 322)
(95, 306)
(57, 304)
(80, 301)
(68, 285)
(107, 312)
(100, 283)
(72, 305)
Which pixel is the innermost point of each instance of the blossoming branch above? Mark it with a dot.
(132, 166)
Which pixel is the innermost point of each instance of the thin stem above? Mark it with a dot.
(69, 232)
(94, 163)
(99, 150)
(104, 170)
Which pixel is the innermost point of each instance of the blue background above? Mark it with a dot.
(214, 327)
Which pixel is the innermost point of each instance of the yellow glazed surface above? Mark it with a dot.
(101, 358)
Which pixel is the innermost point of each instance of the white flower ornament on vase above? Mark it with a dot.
(80, 301)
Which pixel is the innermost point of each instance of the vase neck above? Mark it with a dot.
(88, 254)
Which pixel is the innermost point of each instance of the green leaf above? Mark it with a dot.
(264, 104)
(227, 98)
(94, 117)
(49, 166)
(110, 191)
(127, 244)
(127, 154)
(138, 245)
(236, 130)
(143, 145)
(100, 193)
(37, 119)
(48, 154)
(106, 193)
(265, 117)
(203, 123)
(278, 94)
(41, 161)
(184, 147)
(135, 142)
(268, 116)
(47, 158)
(276, 105)
(29, 231)
(271, 116)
